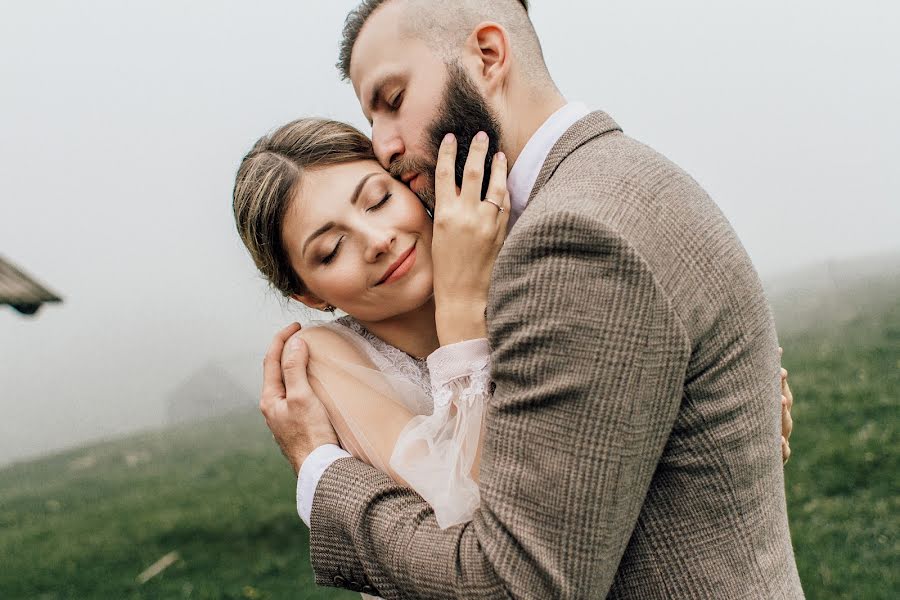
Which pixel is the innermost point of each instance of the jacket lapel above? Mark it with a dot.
(593, 125)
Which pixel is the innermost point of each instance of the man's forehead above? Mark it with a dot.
(382, 44)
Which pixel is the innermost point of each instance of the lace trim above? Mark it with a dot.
(469, 388)
(390, 359)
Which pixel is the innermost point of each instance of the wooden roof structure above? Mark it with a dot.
(21, 291)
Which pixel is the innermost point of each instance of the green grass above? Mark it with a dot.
(842, 481)
(84, 524)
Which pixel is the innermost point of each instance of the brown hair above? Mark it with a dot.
(268, 178)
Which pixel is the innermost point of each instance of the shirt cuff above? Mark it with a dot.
(311, 472)
(458, 360)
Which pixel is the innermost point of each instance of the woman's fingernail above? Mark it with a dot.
(481, 137)
(501, 156)
(449, 138)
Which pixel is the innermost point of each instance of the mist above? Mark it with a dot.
(122, 125)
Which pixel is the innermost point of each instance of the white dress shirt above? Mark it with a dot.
(520, 182)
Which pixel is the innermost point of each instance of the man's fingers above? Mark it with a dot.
(445, 170)
(273, 384)
(785, 451)
(293, 366)
(473, 173)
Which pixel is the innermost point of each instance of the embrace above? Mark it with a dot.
(557, 375)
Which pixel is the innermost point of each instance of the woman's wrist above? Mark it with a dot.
(460, 321)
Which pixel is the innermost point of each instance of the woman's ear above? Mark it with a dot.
(311, 301)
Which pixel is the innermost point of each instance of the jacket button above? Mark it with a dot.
(339, 581)
(368, 589)
(354, 587)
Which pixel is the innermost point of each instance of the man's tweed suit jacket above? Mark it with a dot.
(632, 445)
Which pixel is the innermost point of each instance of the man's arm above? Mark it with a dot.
(589, 360)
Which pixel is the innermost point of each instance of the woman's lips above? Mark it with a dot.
(406, 264)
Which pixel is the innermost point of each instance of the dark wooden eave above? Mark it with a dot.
(21, 291)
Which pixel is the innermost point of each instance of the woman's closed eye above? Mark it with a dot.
(384, 200)
(327, 259)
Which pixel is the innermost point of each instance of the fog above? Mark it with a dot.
(122, 125)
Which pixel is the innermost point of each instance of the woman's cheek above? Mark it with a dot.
(348, 282)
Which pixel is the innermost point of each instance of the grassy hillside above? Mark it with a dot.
(85, 524)
(842, 482)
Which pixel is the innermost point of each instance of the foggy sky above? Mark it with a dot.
(122, 125)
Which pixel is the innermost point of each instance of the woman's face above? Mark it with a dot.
(360, 240)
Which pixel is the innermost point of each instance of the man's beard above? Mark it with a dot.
(463, 113)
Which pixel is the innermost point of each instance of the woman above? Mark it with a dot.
(330, 228)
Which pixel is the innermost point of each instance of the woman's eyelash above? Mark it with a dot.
(331, 256)
(383, 201)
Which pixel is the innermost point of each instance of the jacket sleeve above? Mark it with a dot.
(588, 358)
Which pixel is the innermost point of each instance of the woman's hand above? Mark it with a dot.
(468, 234)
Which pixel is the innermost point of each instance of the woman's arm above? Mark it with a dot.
(366, 419)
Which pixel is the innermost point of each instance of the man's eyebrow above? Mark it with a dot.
(354, 197)
(377, 89)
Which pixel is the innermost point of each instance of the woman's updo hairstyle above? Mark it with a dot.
(268, 178)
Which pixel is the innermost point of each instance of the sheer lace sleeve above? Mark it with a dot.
(379, 401)
(438, 454)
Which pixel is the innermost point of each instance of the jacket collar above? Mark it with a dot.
(592, 126)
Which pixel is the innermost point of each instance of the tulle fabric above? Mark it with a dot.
(384, 415)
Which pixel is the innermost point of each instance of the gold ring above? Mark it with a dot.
(500, 208)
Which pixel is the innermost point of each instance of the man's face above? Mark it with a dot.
(412, 98)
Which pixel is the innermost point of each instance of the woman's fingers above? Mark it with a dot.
(445, 171)
(497, 192)
(787, 422)
(473, 173)
(786, 389)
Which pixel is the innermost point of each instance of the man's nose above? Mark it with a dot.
(387, 142)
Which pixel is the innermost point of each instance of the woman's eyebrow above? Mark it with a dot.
(359, 187)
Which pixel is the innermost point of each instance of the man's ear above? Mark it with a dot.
(489, 45)
(310, 300)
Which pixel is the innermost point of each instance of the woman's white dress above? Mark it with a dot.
(441, 399)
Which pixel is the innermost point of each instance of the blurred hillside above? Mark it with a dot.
(87, 523)
(834, 293)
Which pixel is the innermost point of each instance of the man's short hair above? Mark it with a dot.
(517, 24)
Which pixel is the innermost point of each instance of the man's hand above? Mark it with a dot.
(787, 423)
(293, 412)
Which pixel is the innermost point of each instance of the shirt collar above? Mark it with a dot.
(528, 165)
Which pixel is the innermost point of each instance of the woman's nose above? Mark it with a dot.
(379, 242)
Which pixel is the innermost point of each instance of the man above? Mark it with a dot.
(630, 445)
